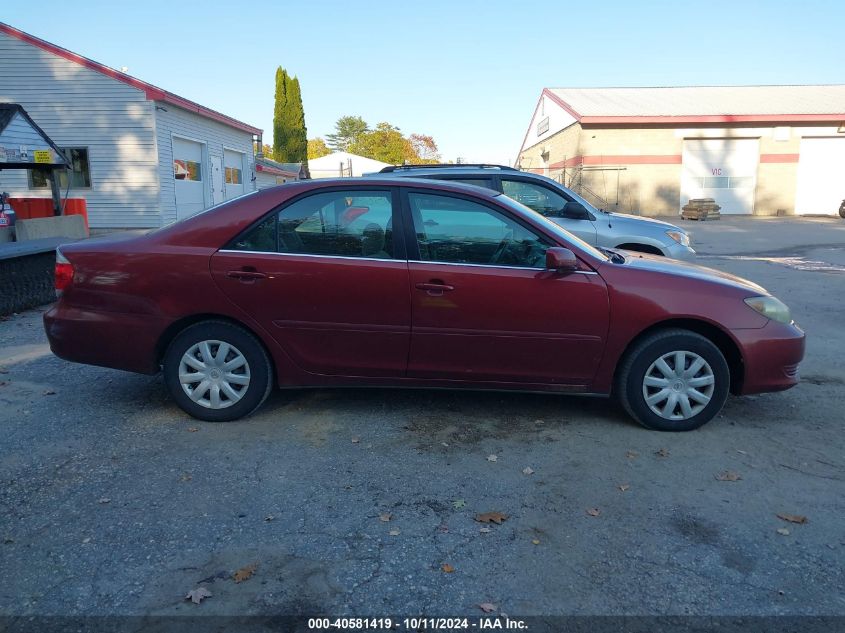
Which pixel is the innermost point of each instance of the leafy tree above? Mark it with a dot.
(348, 131)
(384, 143)
(298, 151)
(317, 147)
(281, 123)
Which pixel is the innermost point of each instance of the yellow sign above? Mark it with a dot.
(43, 156)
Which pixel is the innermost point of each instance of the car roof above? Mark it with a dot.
(390, 180)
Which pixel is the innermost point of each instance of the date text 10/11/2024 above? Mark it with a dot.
(418, 624)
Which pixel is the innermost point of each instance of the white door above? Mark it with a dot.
(821, 176)
(234, 165)
(216, 180)
(188, 172)
(722, 169)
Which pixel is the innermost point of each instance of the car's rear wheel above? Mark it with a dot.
(217, 371)
(673, 380)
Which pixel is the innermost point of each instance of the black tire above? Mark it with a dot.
(842, 209)
(260, 370)
(632, 373)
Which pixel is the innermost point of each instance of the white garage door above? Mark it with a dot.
(188, 171)
(233, 163)
(722, 169)
(821, 176)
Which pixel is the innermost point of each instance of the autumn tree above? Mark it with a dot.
(348, 131)
(425, 149)
(317, 147)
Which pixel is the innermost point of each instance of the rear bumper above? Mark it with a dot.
(107, 339)
(771, 356)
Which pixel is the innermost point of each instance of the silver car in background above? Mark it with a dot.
(564, 207)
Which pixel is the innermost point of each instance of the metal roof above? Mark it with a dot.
(703, 103)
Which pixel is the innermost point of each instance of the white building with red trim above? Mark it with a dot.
(762, 150)
(142, 156)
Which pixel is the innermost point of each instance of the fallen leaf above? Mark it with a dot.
(492, 458)
(104, 500)
(484, 530)
(245, 573)
(487, 607)
(459, 503)
(394, 532)
(793, 518)
(783, 531)
(728, 476)
(269, 518)
(385, 517)
(185, 477)
(593, 512)
(741, 452)
(443, 528)
(491, 517)
(539, 422)
(49, 392)
(445, 444)
(662, 452)
(632, 454)
(528, 470)
(192, 429)
(355, 440)
(623, 487)
(198, 595)
(446, 567)
(535, 541)
(86, 540)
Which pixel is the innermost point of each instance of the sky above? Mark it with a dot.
(467, 73)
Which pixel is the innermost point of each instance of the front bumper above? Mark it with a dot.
(678, 251)
(771, 355)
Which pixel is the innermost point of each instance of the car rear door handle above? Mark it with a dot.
(245, 275)
(435, 287)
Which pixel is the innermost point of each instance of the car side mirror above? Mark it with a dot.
(561, 260)
(575, 211)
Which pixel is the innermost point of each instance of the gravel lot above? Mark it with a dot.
(114, 502)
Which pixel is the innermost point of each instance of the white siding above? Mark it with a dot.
(553, 119)
(79, 107)
(174, 121)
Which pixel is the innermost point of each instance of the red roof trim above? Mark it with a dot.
(779, 158)
(150, 91)
(562, 103)
(275, 170)
(714, 118)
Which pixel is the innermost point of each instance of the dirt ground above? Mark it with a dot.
(114, 502)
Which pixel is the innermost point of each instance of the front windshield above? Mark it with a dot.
(554, 228)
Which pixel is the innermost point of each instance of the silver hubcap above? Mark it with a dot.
(214, 374)
(678, 385)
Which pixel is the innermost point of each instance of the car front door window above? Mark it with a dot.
(459, 231)
(536, 197)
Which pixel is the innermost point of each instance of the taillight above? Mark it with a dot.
(64, 273)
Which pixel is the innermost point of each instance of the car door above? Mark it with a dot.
(325, 276)
(550, 203)
(485, 309)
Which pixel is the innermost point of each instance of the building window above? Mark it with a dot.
(234, 176)
(187, 170)
(80, 171)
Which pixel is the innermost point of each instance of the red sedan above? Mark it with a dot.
(413, 283)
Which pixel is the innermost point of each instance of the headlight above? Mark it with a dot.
(770, 308)
(679, 236)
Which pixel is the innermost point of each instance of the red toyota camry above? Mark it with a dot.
(418, 283)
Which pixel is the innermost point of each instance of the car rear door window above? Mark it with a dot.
(337, 223)
(456, 230)
(537, 197)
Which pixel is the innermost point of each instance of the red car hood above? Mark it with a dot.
(677, 268)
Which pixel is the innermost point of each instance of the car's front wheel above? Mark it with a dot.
(217, 371)
(673, 380)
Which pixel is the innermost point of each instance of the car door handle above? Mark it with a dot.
(245, 275)
(435, 288)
